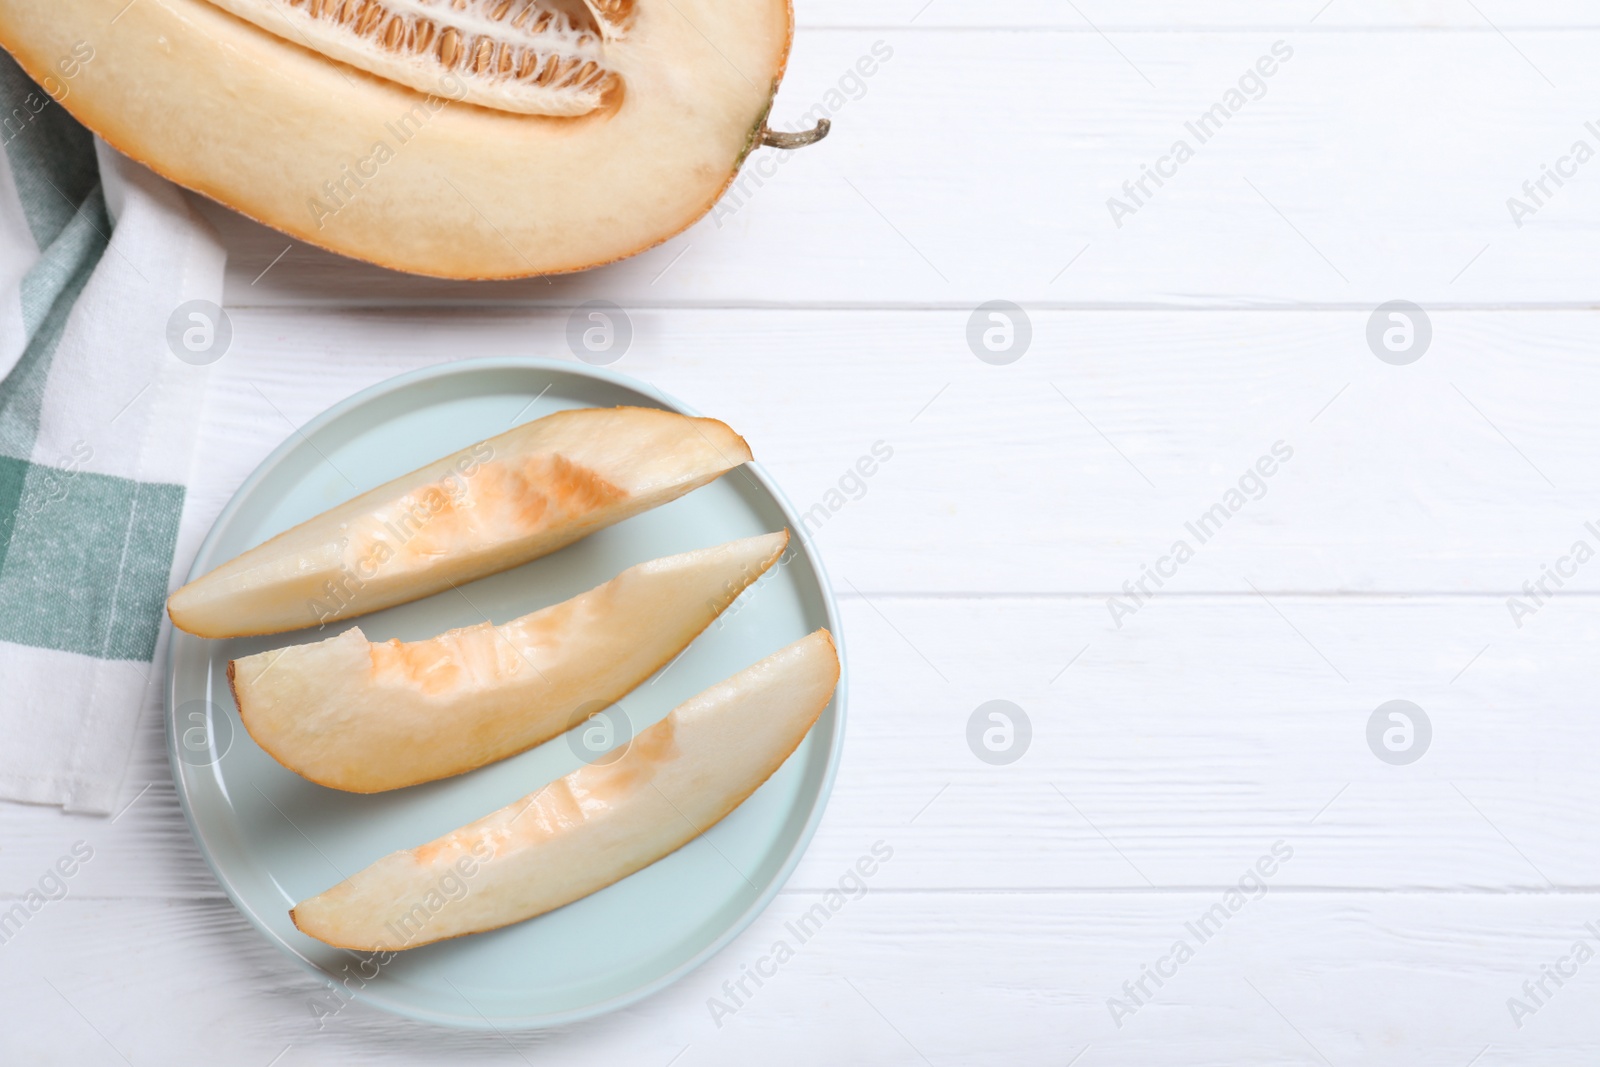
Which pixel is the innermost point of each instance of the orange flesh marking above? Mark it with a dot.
(439, 664)
(649, 752)
(569, 801)
(498, 501)
(431, 666)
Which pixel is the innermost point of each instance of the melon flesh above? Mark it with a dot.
(494, 505)
(583, 832)
(365, 717)
(457, 138)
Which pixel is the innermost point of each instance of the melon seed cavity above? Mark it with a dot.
(531, 57)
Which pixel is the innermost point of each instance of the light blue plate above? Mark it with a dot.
(274, 839)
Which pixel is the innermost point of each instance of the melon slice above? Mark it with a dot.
(365, 717)
(458, 138)
(583, 832)
(486, 508)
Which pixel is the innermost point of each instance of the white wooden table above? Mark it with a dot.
(1228, 712)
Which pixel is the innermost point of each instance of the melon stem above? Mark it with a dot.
(771, 138)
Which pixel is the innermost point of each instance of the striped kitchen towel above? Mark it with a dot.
(107, 275)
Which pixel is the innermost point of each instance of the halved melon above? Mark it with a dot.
(486, 508)
(600, 823)
(459, 138)
(366, 717)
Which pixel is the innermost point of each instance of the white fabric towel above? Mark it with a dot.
(103, 355)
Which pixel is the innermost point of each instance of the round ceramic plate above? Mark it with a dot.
(274, 839)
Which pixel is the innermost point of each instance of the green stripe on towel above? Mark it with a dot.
(86, 560)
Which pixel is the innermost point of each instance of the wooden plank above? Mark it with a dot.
(1419, 980)
(1161, 754)
(885, 211)
(1074, 468)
